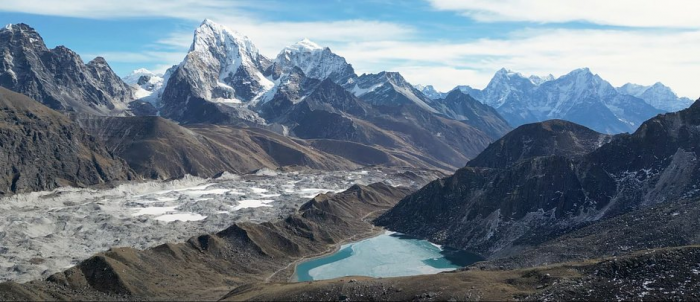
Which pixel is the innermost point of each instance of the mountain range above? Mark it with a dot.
(565, 206)
(579, 96)
(307, 92)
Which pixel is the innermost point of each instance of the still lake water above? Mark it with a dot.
(387, 255)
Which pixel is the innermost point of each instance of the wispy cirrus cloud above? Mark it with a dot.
(181, 9)
(630, 13)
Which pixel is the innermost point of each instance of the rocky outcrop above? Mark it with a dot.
(57, 77)
(41, 149)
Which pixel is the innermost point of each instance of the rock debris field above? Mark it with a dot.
(42, 233)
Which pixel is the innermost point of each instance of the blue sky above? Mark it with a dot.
(439, 42)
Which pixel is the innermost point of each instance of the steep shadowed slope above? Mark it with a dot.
(41, 149)
(532, 200)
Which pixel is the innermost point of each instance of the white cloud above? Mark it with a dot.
(643, 57)
(181, 9)
(633, 13)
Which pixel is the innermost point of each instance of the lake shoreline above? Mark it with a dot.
(376, 231)
(387, 255)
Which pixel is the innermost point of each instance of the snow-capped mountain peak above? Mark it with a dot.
(658, 95)
(315, 61)
(218, 44)
(226, 64)
(304, 45)
(430, 91)
(388, 88)
(147, 84)
(135, 76)
(537, 80)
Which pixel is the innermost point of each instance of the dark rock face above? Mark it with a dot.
(663, 225)
(462, 107)
(521, 201)
(57, 77)
(142, 108)
(41, 149)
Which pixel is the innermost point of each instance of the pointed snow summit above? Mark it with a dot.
(222, 67)
(314, 61)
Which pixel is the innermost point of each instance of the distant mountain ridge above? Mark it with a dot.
(658, 95)
(579, 96)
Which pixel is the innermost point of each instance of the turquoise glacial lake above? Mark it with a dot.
(387, 255)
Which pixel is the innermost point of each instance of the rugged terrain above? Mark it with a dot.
(57, 77)
(41, 149)
(45, 232)
(527, 196)
(208, 266)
